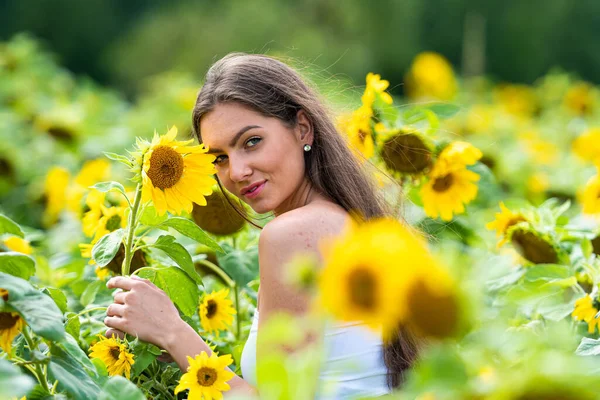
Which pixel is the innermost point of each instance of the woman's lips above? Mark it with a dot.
(256, 191)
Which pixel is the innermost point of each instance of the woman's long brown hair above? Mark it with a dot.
(274, 89)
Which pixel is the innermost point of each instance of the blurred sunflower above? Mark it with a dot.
(175, 175)
(217, 216)
(504, 220)
(366, 272)
(115, 355)
(216, 311)
(591, 196)
(587, 145)
(92, 172)
(531, 245)
(586, 310)
(542, 152)
(15, 243)
(206, 377)
(375, 87)
(431, 76)
(357, 128)
(11, 324)
(518, 100)
(55, 188)
(580, 98)
(405, 151)
(459, 152)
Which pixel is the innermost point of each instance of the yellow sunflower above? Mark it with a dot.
(431, 76)
(448, 190)
(587, 145)
(175, 175)
(366, 272)
(206, 377)
(518, 100)
(115, 355)
(591, 196)
(216, 311)
(11, 324)
(15, 243)
(55, 188)
(504, 220)
(586, 310)
(218, 216)
(91, 172)
(532, 245)
(580, 98)
(375, 86)
(459, 153)
(357, 127)
(405, 151)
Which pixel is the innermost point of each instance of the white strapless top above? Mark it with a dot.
(352, 365)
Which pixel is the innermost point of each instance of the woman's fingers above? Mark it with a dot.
(120, 282)
(114, 332)
(119, 324)
(146, 281)
(115, 310)
(119, 297)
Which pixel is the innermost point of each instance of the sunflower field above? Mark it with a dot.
(493, 262)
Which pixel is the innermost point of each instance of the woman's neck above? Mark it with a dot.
(305, 194)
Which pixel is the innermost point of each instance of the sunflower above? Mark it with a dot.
(92, 172)
(532, 246)
(431, 76)
(15, 243)
(174, 174)
(138, 261)
(406, 152)
(366, 270)
(357, 127)
(11, 324)
(433, 305)
(460, 153)
(587, 145)
(217, 216)
(504, 220)
(586, 310)
(580, 99)
(206, 377)
(448, 190)
(591, 196)
(216, 311)
(376, 87)
(55, 188)
(115, 355)
(518, 100)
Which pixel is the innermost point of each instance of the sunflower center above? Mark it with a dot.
(206, 376)
(7, 320)
(406, 153)
(211, 309)
(362, 135)
(115, 352)
(166, 167)
(442, 184)
(113, 223)
(362, 287)
(534, 248)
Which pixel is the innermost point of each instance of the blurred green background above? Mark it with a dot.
(119, 43)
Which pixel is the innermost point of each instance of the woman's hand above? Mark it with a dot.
(142, 310)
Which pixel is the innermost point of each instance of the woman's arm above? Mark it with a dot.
(145, 311)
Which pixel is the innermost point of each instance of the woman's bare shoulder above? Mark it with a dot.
(304, 227)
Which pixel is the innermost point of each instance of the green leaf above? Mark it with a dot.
(108, 186)
(17, 264)
(176, 284)
(118, 157)
(73, 325)
(70, 346)
(13, 383)
(240, 265)
(150, 217)
(190, 229)
(70, 375)
(145, 353)
(59, 298)
(107, 247)
(444, 110)
(7, 225)
(547, 272)
(119, 388)
(39, 310)
(179, 254)
(588, 347)
(89, 294)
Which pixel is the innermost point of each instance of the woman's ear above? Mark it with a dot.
(304, 128)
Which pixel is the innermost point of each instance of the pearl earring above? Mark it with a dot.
(307, 147)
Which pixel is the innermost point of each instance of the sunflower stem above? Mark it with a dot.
(40, 375)
(217, 270)
(131, 230)
(90, 310)
(238, 326)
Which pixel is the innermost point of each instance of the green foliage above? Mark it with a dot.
(107, 247)
(13, 383)
(179, 254)
(17, 264)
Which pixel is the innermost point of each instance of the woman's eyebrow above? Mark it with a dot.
(235, 138)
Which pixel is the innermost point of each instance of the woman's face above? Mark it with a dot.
(259, 159)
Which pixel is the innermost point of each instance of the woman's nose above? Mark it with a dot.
(239, 170)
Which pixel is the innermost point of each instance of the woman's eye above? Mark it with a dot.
(220, 160)
(253, 141)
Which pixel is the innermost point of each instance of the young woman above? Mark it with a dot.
(278, 150)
